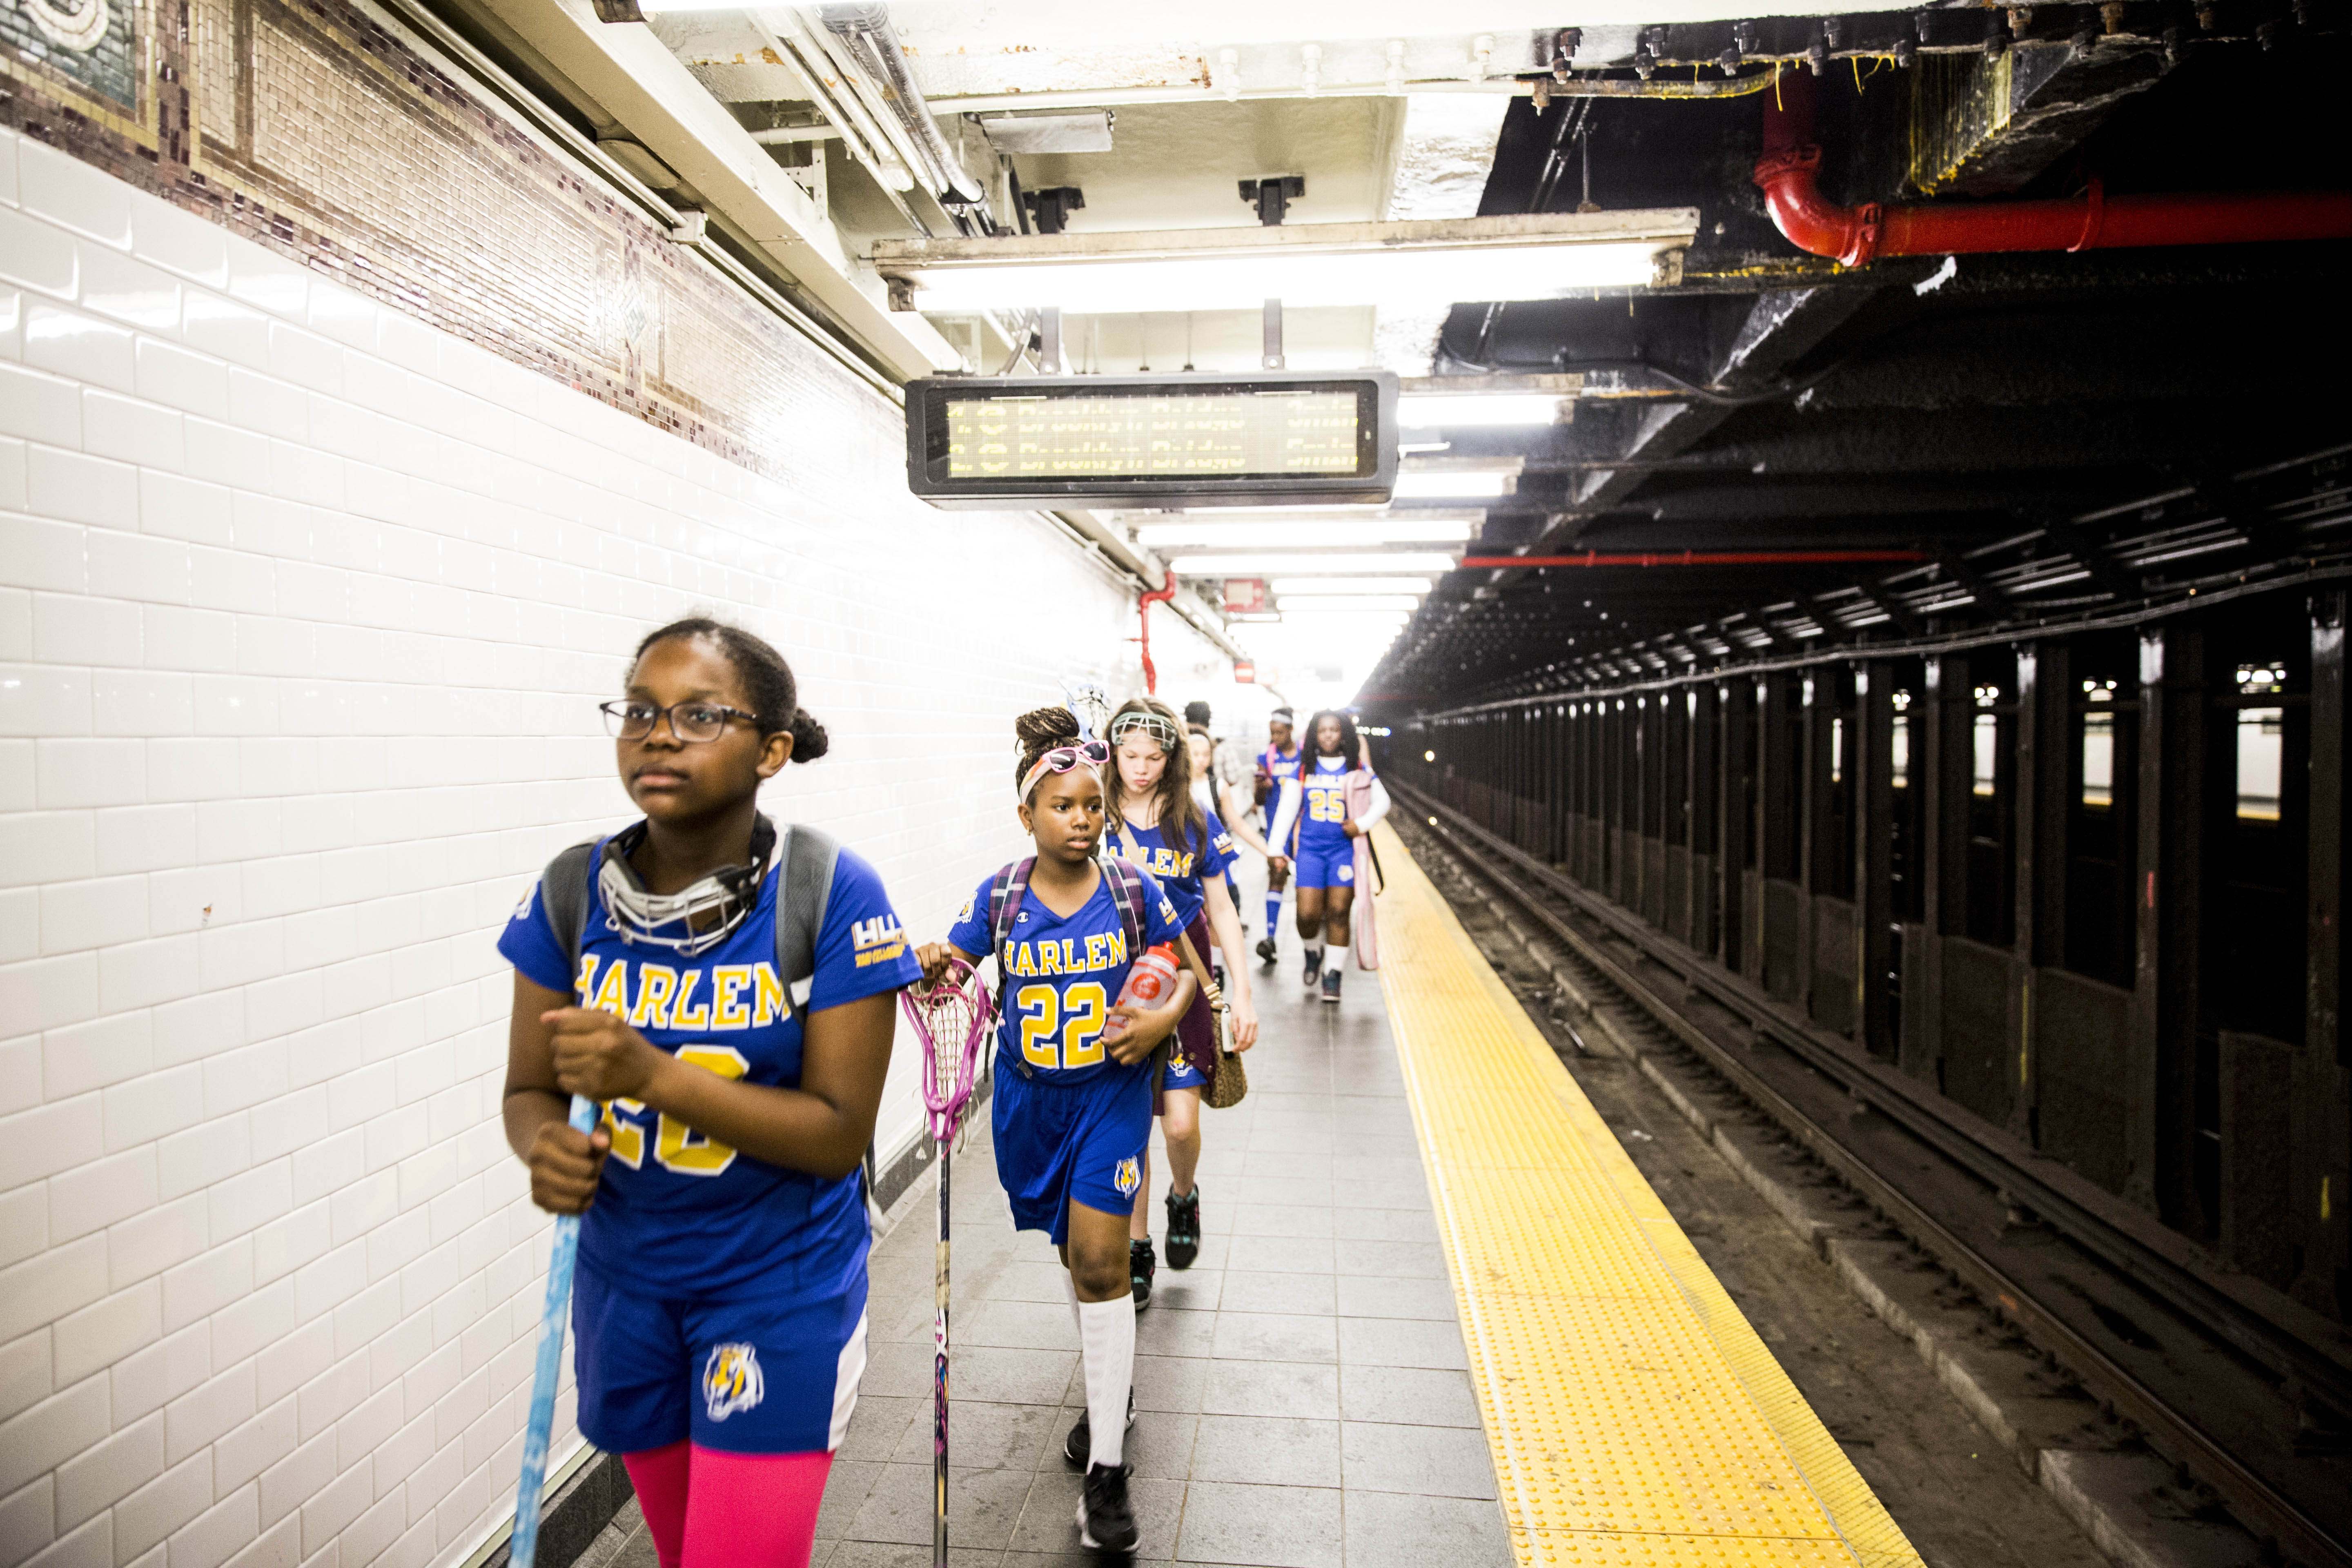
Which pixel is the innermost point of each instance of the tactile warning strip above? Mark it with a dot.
(1635, 1417)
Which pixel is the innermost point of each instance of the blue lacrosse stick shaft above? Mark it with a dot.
(524, 1545)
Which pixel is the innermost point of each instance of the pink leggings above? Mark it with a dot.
(709, 1509)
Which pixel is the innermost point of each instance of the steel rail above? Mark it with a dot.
(2300, 1537)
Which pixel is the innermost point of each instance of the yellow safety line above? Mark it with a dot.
(1634, 1415)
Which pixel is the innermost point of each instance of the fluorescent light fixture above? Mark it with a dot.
(1301, 535)
(1287, 586)
(1452, 482)
(1276, 565)
(1534, 256)
(1293, 603)
(1426, 411)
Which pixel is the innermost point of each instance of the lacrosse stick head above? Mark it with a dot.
(952, 1017)
(1088, 703)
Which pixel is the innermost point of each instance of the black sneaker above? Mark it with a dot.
(1314, 975)
(1331, 986)
(1266, 949)
(1183, 1227)
(1141, 1264)
(1106, 1519)
(1081, 1440)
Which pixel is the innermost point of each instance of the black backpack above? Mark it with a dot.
(806, 857)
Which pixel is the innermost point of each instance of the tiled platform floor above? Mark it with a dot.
(1302, 1396)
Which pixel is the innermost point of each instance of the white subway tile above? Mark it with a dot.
(92, 1196)
(47, 992)
(211, 1151)
(133, 431)
(52, 1431)
(175, 638)
(224, 327)
(174, 506)
(290, 1122)
(267, 406)
(180, 242)
(83, 1056)
(300, 472)
(65, 190)
(91, 1546)
(179, 378)
(279, 1545)
(75, 628)
(236, 705)
(243, 1454)
(284, 1246)
(248, 1327)
(36, 552)
(12, 323)
(149, 1515)
(286, 885)
(113, 1470)
(268, 281)
(146, 973)
(70, 344)
(147, 1380)
(305, 359)
(198, 1026)
(227, 455)
(91, 773)
(37, 407)
(37, 256)
(228, 580)
(301, 1475)
(25, 1367)
(246, 1203)
(204, 1285)
(142, 838)
(55, 1137)
(242, 1079)
(129, 290)
(347, 316)
(107, 1331)
(27, 1518)
(20, 938)
(217, 1534)
(153, 1105)
(135, 566)
(196, 1418)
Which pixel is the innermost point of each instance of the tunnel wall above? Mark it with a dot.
(305, 604)
(2086, 884)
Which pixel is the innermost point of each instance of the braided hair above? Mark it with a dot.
(1038, 732)
(767, 680)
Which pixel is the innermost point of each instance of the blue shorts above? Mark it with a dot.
(1327, 868)
(1059, 1143)
(744, 1377)
(1180, 1073)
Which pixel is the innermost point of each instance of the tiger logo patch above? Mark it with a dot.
(731, 1381)
(1128, 1177)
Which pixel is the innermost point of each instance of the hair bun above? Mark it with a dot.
(1042, 728)
(809, 740)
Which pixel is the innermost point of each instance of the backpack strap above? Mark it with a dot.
(807, 858)
(1127, 892)
(563, 898)
(1005, 898)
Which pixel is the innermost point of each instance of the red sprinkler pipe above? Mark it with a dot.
(1143, 608)
(2094, 221)
(1698, 558)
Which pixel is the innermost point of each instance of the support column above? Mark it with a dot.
(1734, 701)
(1874, 853)
(2160, 1081)
(2029, 872)
(2322, 1115)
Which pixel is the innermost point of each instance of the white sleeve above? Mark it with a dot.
(1379, 806)
(1285, 814)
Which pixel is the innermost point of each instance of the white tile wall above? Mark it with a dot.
(304, 609)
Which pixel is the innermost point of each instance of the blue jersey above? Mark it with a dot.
(1277, 766)
(1323, 814)
(1182, 872)
(1062, 976)
(679, 1214)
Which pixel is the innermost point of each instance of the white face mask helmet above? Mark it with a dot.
(692, 920)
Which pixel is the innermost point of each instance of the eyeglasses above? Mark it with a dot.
(1151, 724)
(1062, 759)
(692, 722)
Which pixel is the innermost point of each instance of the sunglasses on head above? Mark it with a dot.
(1062, 760)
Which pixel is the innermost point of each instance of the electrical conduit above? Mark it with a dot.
(2094, 221)
(1143, 608)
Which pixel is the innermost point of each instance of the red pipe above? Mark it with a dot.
(2094, 221)
(1698, 558)
(1143, 608)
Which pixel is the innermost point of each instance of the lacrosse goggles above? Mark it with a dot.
(693, 920)
(1162, 730)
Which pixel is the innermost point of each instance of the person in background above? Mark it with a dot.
(1278, 763)
(1327, 850)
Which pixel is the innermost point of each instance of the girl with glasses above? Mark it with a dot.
(719, 1303)
(1157, 823)
(1072, 1102)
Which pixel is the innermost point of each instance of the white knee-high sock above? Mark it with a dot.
(1107, 1330)
(1334, 958)
(1070, 1288)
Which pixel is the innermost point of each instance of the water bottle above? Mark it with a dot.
(1150, 983)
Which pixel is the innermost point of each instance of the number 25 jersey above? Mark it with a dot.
(1063, 974)
(676, 1212)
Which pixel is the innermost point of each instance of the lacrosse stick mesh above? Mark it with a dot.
(950, 1017)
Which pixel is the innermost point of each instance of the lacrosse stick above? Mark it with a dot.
(951, 1019)
(1089, 704)
(524, 1545)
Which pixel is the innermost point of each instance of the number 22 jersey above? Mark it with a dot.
(678, 1213)
(1062, 973)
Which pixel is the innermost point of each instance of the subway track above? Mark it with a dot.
(2245, 1414)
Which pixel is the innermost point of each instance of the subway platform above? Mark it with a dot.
(1438, 1318)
